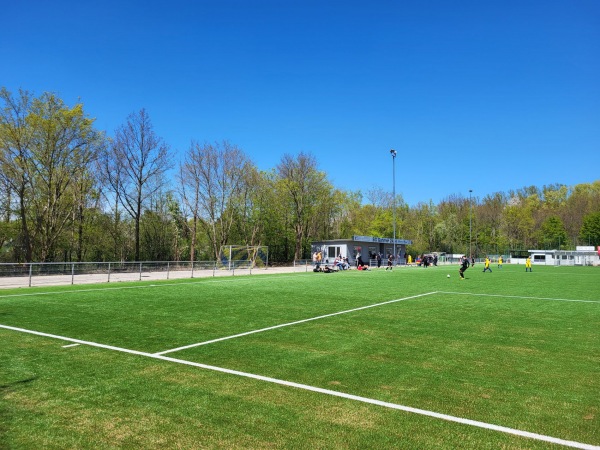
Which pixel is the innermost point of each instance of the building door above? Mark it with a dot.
(333, 251)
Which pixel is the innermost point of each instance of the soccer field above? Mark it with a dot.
(378, 359)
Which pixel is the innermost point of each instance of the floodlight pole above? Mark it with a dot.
(393, 153)
(470, 223)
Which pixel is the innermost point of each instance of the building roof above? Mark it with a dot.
(374, 239)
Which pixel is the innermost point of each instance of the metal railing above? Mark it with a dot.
(61, 273)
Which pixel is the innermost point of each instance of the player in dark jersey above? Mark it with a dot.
(464, 266)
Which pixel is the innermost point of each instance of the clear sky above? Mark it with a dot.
(483, 95)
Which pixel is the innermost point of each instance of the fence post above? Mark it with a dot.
(168, 270)
(140, 271)
(72, 273)
(192, 269)
(108, 281)
(30, 270)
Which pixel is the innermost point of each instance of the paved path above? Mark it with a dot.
(91, 278)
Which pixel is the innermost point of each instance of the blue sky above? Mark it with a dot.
(483, 95)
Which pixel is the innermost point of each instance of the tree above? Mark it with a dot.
(157, 230)
(590, 230)
(489, 223)
(189, 188)
(213, 178)
(303, 187)
(552, 232)
(15, 157)
(141, 159)
(256, 207)
(423, 224)
(45, 147)
(64, 145)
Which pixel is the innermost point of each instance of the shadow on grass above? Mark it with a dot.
(7, 387)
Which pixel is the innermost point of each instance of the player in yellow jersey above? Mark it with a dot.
(487, 264)
(528, 264)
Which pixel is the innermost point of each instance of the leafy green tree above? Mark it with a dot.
(45, 146)
(256, 208)
(489, 223)
(590, 230)
(518, 223)
(157, 233)
(552, 232)
(64, 145)
(16, 159)
(304, 189)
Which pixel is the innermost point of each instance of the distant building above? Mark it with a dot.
(366, 246)
(581, 256)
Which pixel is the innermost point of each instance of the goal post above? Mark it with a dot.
(244, 257)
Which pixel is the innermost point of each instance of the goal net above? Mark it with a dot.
(244, 257)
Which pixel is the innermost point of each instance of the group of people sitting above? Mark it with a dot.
(340, 263)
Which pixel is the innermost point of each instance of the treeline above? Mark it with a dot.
(70, 192)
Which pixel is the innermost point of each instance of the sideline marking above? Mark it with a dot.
(409, 409)
(522, 297)
(212, 341)
(70, 345)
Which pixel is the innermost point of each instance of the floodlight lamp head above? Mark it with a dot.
(393, 153)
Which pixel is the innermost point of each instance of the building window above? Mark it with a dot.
(333, 252)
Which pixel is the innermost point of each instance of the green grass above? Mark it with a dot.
(531, 364)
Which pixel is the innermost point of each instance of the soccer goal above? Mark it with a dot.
(244, 257)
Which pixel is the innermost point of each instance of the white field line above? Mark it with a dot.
(212, 341)
(423, 412)
(520, 297)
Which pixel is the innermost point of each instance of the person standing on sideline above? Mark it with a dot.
(487, 264)
(390, 262)
(472, 260)
(500, 262)
(464, 266)
(378, 258)
(359, 260)
(528, 264)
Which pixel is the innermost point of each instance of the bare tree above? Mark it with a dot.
(137, 164)
(212, 180)
(110, 174)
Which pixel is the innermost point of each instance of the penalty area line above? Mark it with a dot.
(520, 297)
(408, 409)
(212, 341)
